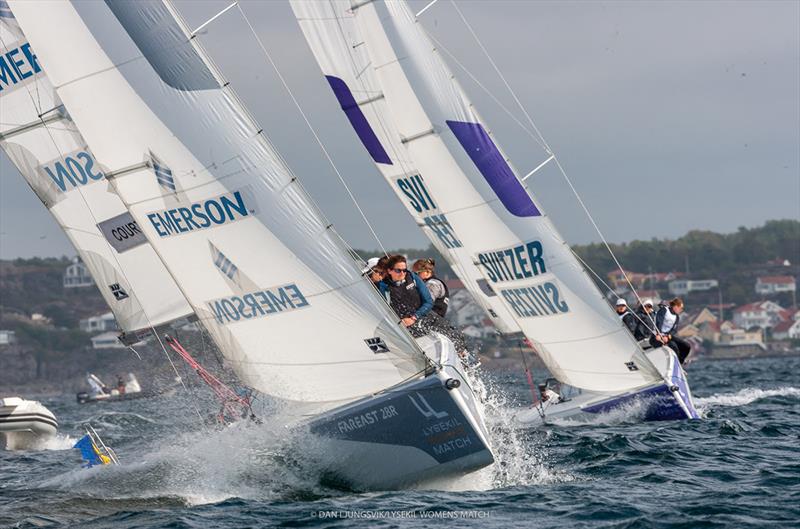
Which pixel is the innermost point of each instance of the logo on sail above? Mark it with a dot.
(257, 304)
(118, 291)
(420, 201)
(511, 264)
(73, 170)
(18, 66)
(377, 345)
(122, 232)
(209, 213)
(531, 301)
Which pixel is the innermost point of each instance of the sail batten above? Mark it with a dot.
(65, 174)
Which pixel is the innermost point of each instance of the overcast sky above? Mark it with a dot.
(668, 116)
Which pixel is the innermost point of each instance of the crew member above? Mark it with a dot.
(645, 321)
(425, 268)
(411, 300)
(376, 269)
(667, 319)
(625, 314)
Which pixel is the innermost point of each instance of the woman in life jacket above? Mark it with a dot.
(425, 269)
(410, 298)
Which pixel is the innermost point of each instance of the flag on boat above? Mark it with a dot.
(90, 453)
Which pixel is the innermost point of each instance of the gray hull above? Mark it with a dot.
(409, 434)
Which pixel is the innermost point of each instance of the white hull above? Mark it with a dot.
(407, 435)
(670, 399)
(24, 423)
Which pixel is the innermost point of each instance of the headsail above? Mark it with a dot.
(510, 240)
(40, 138)
(267, 276)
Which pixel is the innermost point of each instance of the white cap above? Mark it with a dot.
(371, 262)
(621, 302)
(648, 301)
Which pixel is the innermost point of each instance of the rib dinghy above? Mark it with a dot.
(24, 423)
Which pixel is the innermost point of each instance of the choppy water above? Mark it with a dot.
(739, 467)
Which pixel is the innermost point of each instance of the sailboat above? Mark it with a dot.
(441, 160)
(231, 228)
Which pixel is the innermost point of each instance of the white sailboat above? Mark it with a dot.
(438, 155)
(263, 271)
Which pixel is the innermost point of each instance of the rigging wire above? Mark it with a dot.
(388, 314)
(451, 255)
(37, 105)
(544, 142)
(311, 128)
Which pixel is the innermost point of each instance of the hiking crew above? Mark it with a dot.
(625, 314)
(438, 289)
(667, 319)
(645, 321)
(412, 302)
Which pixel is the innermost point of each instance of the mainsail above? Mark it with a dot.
(415, 120)
(40, 138)
(267, 276)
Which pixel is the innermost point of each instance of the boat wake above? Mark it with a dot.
(244, 460)
(632, 412)
(57, 442)
(521, 457)
(745, 396)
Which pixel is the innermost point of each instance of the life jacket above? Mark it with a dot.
(667, 320)
(440, 304)
(404, 297)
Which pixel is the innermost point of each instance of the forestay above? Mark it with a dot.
(265, 273)
(490, 211)
(43, 143)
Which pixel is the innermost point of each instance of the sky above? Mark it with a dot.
(667, 116)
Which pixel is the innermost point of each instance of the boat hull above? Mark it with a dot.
(24, 424)
(421, 430)
(669, 399)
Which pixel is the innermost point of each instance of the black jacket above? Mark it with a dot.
(440, 304)
(628, 319)
(645, 325)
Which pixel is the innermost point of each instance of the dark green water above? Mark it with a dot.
(738, 467)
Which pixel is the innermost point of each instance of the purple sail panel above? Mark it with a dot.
(358, 120)
(484, 154)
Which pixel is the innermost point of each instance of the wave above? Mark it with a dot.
(745, 396)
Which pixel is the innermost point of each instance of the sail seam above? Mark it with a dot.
(37, 104)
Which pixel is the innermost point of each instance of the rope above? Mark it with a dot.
(529, 376)
(311, 128)
(37, 105)
(232, 404)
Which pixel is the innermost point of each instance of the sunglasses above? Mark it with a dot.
(400, 270)
(377, 271)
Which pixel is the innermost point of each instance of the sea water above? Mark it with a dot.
(737, 467)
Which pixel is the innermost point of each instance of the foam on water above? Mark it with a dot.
(244, 460)
(57, 442)
(520, 456)
(745, 396)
